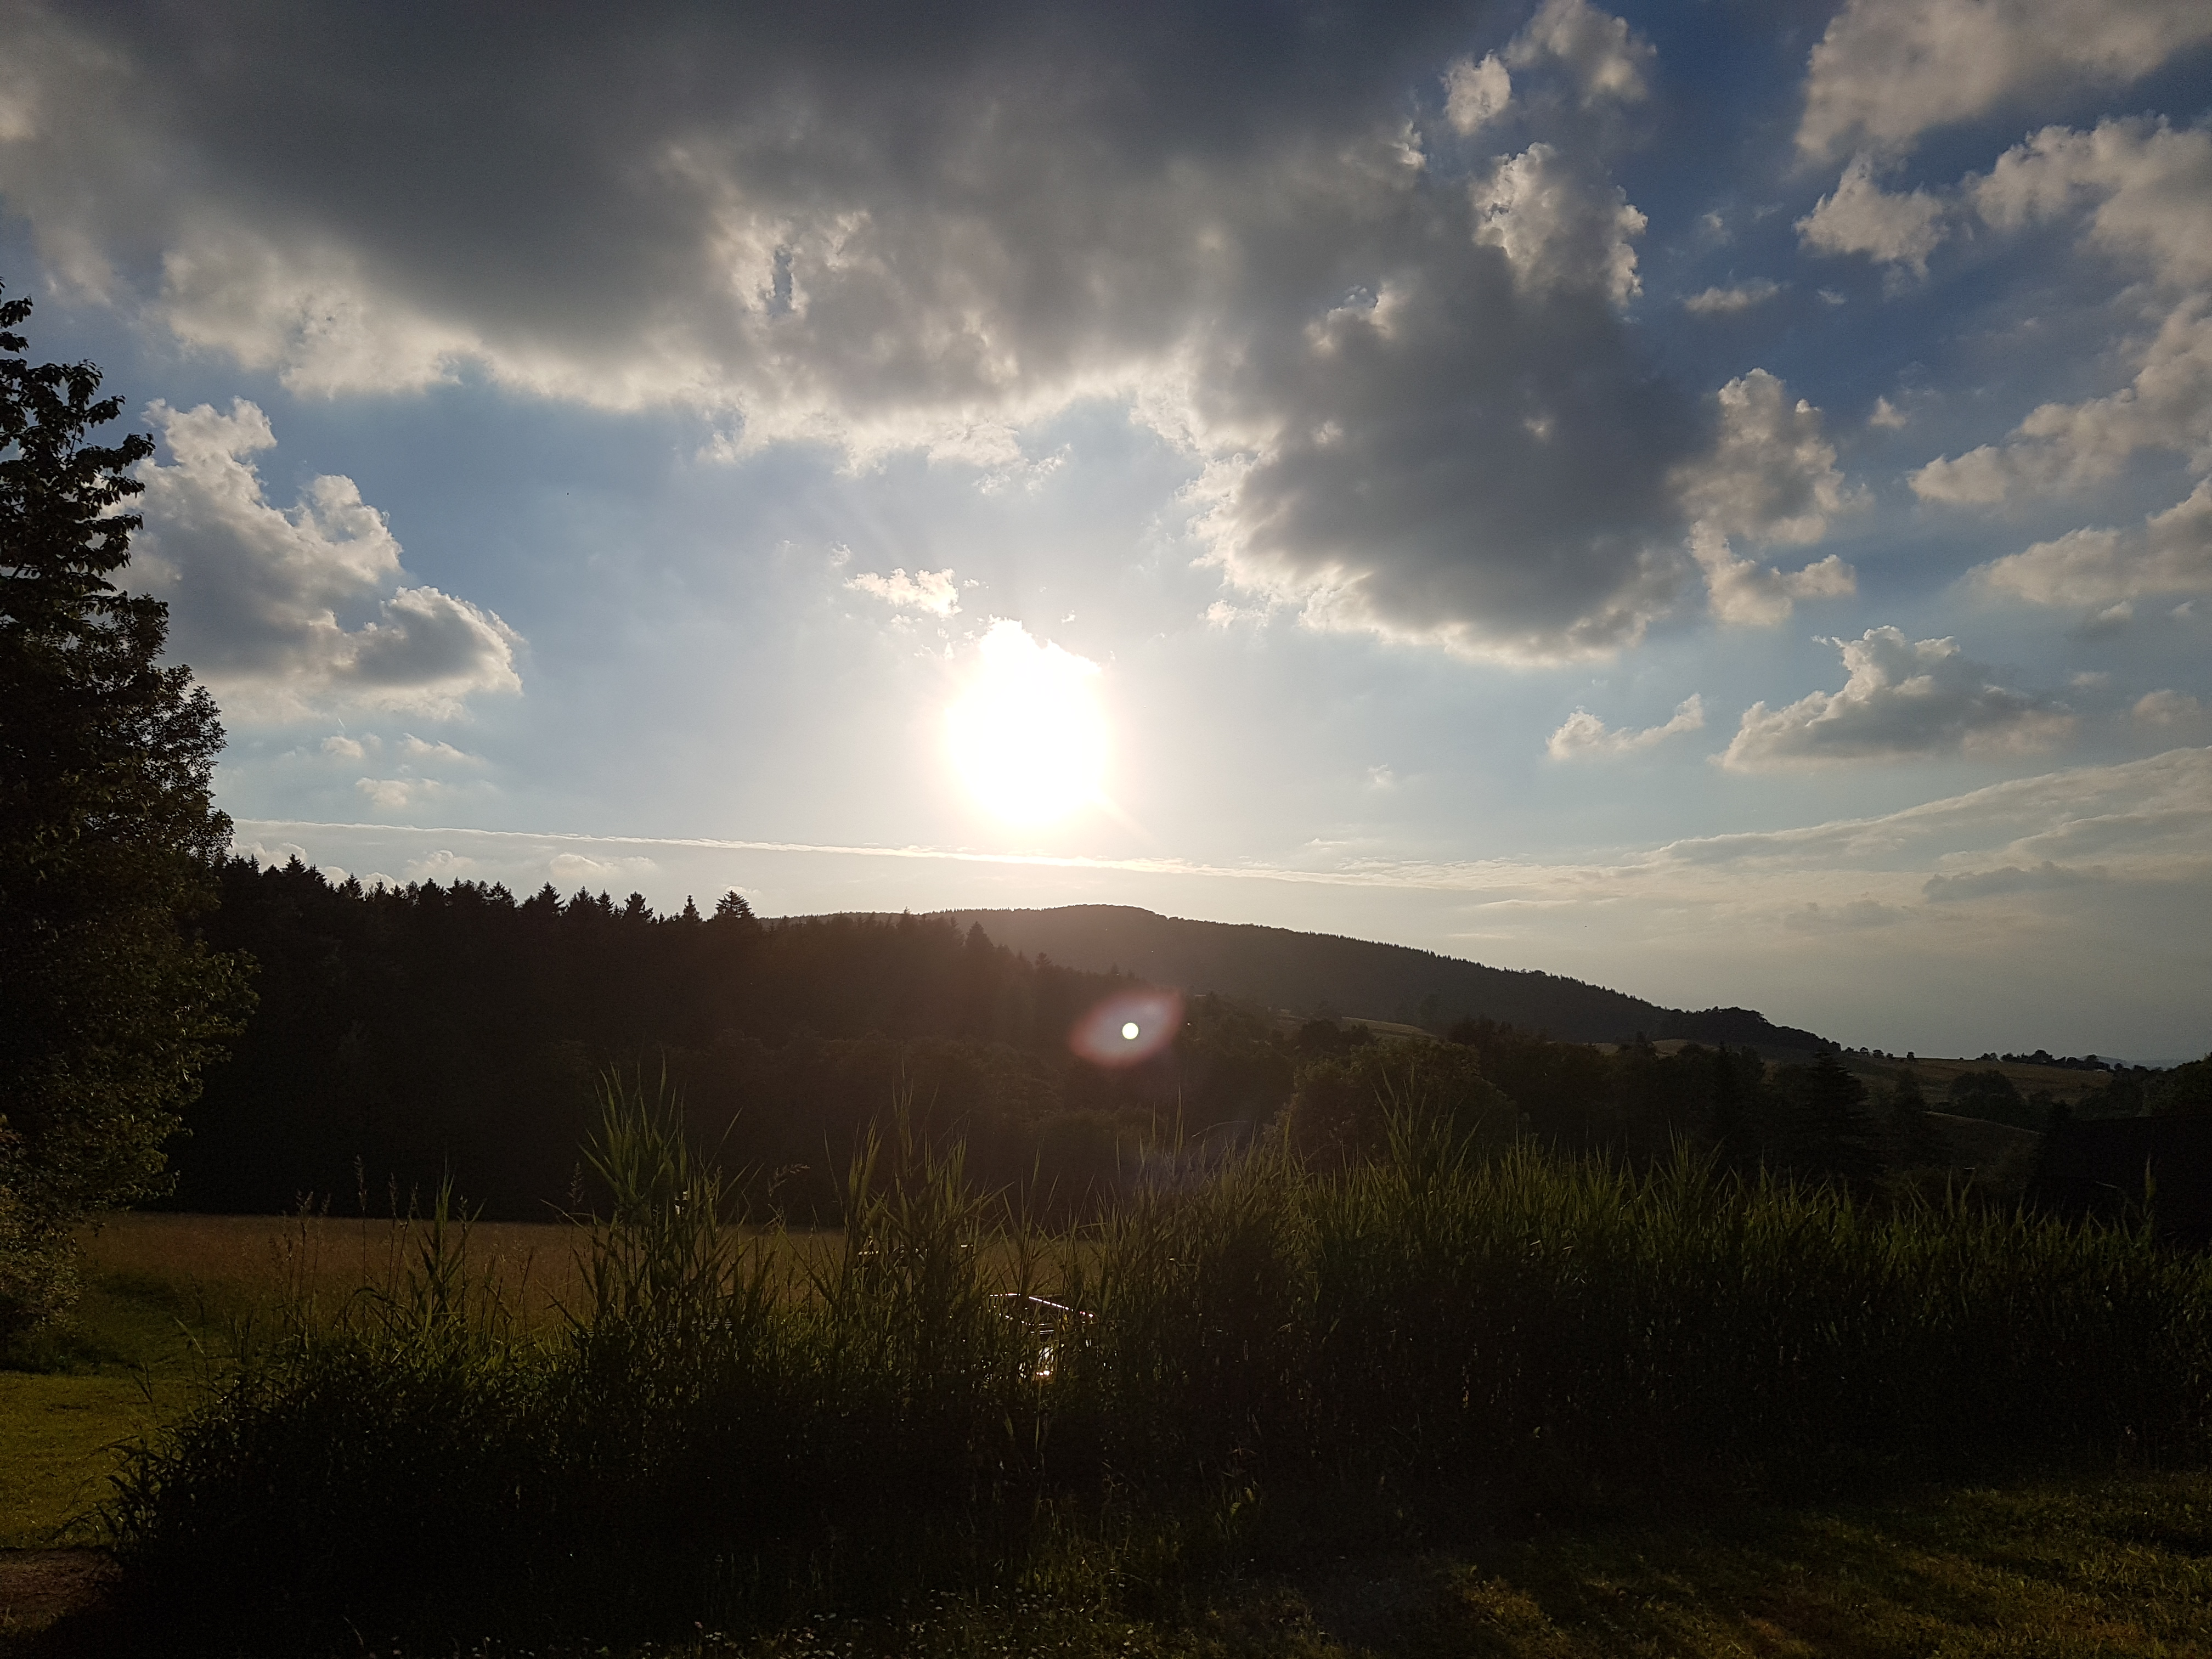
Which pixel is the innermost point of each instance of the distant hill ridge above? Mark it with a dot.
(1307, 973)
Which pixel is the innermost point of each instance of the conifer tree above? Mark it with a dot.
(109, 1008)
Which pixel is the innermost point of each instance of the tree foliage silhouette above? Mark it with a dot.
(109, 1007)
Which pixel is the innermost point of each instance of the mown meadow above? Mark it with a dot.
(1439, 1357)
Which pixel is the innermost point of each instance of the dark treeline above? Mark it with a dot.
(1815, 1120)
(405, 1035)
(2125, 1091)
(408, 1034)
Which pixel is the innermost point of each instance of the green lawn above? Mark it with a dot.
(71, 1398)
(58, 1435)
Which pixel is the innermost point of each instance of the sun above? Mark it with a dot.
(1027, 737)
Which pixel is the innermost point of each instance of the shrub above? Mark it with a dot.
(737, 1430)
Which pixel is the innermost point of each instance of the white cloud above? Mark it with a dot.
(1743, 593)
(397, 794)
(2152, 187)
(2144, 191)
(1771, 476)
(1888, 417)
(2170, 554)
(2062, 448)
(1860, 216)
(1476, 94)
(1901, 699)
(1560, 224)
(420, 749)
(1771, 472)
(349, 749)
(445, 865)
(1886, 70)
(1609, 60)
(1727, 302)
(256, 591)
(2168, 708)
(935, 591)
(1583, 735)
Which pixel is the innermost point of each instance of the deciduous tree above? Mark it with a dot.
(109, 1007)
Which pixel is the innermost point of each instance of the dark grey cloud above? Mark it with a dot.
(1393, 337)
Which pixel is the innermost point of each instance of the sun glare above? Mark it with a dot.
(1027, 736)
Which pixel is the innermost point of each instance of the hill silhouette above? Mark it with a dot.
(1325, 973)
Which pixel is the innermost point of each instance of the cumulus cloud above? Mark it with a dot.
(1476, 94)
(2168, 708)
(397, 794)
(1583, 735)
(2151, 187)
(423, 749)
(445, 865)
(2144, 194)
(1771, 476)
(1727, 302)
(1771, 472)
(886, 235)
(260, 594)
(1860, 216)
(1887, 70)
(1744, 593)
(1559, 224)
(1610, 61)
(2172, 553)
(1901, 698)
(2061, 448)
(931, 591)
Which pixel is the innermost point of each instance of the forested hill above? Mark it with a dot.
(1313, 973)
(405, 1034)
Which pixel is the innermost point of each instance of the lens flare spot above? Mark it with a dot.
(1127, 1027)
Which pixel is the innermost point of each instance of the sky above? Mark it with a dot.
(1712, 499)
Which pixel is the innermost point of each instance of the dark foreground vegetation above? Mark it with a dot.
(1269, 1363)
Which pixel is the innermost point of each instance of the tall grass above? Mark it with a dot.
(735, 1432)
